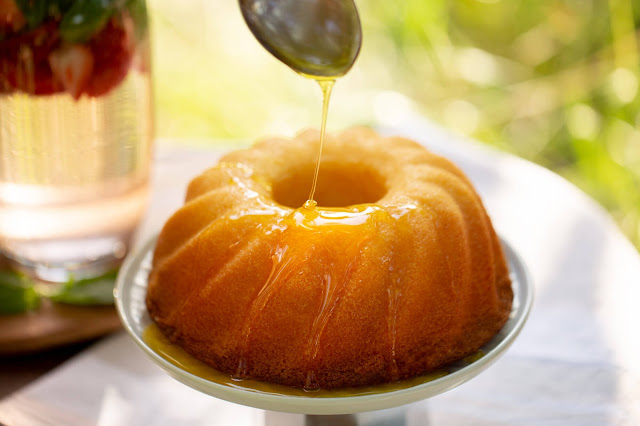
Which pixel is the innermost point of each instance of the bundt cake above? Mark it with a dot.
(395, 273)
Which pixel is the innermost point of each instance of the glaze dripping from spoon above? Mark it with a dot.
(319, 39)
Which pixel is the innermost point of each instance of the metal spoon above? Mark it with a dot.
(318, 38)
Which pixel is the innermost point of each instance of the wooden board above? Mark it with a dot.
(54, 324)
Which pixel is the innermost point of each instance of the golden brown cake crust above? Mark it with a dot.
(416, 281)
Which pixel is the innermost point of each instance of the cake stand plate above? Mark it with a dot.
(130, 294)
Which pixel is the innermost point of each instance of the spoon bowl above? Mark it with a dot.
(317, 38)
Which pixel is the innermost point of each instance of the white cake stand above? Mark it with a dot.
(130, 294)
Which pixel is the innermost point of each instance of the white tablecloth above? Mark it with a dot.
(577, 362)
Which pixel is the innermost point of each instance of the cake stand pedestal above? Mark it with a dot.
(390, 417)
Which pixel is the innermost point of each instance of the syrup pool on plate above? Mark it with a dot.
(160, 344)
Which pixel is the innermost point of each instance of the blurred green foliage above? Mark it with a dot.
(553, 81)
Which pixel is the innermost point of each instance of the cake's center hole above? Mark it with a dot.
(339, 185)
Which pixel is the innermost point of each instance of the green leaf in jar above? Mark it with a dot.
(34, 11)
(86, 18)
(57, 8)
(92, 291)
(138, 11)
(17, 293)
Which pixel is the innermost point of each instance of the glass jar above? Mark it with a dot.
(76, 129)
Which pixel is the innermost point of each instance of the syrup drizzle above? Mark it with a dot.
(395, 284)
(280, 268)
(394, 294)
(325, 85)
(332, 293)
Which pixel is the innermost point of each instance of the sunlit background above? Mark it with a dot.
(553, 81)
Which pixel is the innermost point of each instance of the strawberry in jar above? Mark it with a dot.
(81, 47)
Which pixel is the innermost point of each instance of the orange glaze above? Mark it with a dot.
(296, 235)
